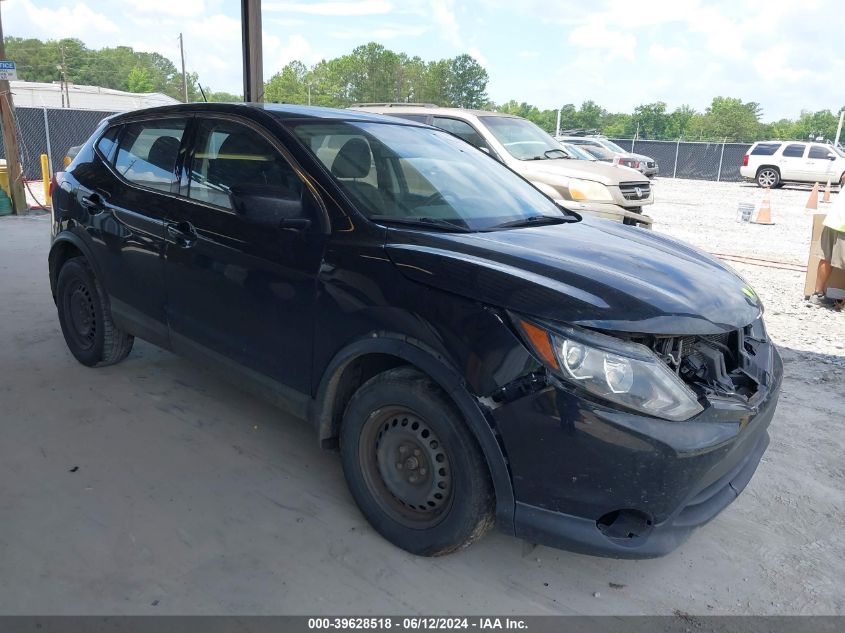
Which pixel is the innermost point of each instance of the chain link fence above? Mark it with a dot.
(53, 131)
(691, 159)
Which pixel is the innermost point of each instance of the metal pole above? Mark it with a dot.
(719, 174)
(557, 125)
(839, 127)
(184, 76)
(47, 136)
(252, 50)
(636, 134)
(677, 147)
(10, 139)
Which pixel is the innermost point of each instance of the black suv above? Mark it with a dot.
(478, 353)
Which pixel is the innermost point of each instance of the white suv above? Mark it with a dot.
(772, 163)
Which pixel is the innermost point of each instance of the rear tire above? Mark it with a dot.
(768, 177)
(85, 317)
(414, 469)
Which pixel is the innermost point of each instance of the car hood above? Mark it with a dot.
(642, 157)
(592, 273)
(549, 170)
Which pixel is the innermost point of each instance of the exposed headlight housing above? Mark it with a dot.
(624, 373)
(589, 190)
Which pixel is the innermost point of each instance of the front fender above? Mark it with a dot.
(436, 366)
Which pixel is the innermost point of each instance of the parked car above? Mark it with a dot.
(603, 190)
(773, 163)
(606, 150)
(477, 353)
(577, 153)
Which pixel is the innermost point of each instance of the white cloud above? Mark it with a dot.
(389, 32)
(356, 7)
(78, 20)
(595, 34)
(443, 13)
(478, 55)
(178, 8)
(528, 54)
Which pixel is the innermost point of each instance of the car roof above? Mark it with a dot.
(282, 111)
(426, 109)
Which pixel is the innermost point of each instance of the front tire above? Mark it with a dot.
(85, 317)
(768, 177)
(413, 467)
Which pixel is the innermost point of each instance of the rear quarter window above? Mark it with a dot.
(765, 149)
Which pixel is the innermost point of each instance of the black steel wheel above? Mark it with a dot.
(412, 465)
(85, 317)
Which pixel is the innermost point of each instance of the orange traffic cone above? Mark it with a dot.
(826, 197)
(813, 200)
(764, 212)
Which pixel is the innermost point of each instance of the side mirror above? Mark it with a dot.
(270, 206)
(831, 156)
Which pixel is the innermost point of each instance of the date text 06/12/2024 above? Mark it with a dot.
(417, 623)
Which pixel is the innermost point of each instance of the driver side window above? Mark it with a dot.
(230, 155)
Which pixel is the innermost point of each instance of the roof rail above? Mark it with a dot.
(393, 104)
(579, 132)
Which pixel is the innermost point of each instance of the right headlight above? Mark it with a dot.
(621, 372)
(589, 190)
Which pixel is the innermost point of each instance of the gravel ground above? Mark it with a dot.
(154, 487)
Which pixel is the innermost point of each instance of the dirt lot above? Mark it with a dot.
(155, 487)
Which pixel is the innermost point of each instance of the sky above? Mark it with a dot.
(785, 55)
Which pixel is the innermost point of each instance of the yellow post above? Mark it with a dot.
(45, 175)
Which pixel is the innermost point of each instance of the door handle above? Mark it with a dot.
(182, 233)
(93, 203)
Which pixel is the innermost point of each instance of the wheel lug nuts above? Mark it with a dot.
(417, 451)
(399, 466)
(423, 471)
(402, 449)
(412, 479)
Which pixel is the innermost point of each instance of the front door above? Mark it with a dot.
(818, 165)
(241, 285)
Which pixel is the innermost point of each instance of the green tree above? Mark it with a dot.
(730, 118)
(591, 115)
(467, 87)
(651, 120)
(289, 85)
(139, 80)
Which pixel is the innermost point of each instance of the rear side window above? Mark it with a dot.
(820, 151)
(462, 129)
(147, 152)
(418, 118)
(765, 149)
(228, 155)
(107, 143)
(794, 151)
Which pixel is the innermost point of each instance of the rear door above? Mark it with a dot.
(239, 285)
(790, 161)
(127, 212)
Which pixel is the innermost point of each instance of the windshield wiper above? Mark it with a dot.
(545, 155)
(533, 220)
(429, 223)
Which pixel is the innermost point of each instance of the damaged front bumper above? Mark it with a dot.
(601, 481)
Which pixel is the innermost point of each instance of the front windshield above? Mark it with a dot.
(613, 147)
(577, 152)
(602, 153)
(407, 174)
(522, 139)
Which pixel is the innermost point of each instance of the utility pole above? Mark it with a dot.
(184, 76)
(252, 50)
(10, 137)
(839, 128)
(63, 68)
